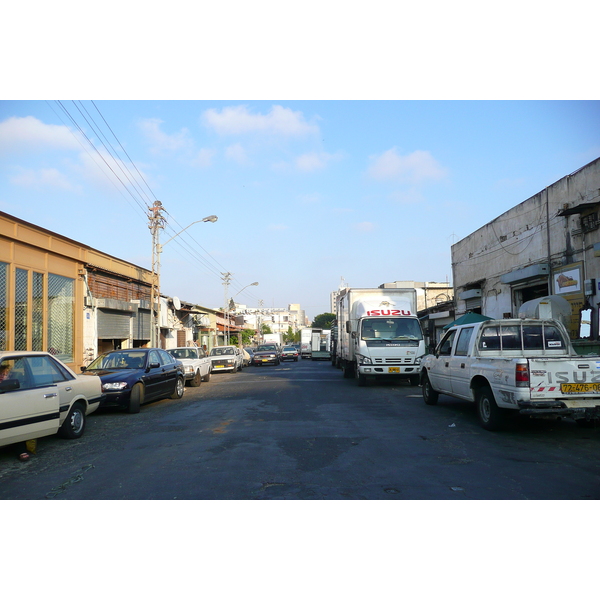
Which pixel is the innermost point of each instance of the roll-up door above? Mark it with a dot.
(141, 325)
(113, 324)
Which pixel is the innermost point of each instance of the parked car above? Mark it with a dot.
(40, 396)
(250, 352)
(136, 376)
(267, 354)
(196, 364)
(226, 358)
(246, 358)
(289, 353)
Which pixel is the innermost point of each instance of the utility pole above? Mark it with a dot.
(226, 280)
(156, 223)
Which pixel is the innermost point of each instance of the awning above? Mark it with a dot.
(469, 317)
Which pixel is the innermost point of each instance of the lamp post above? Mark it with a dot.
(228, 307)
(156, 223)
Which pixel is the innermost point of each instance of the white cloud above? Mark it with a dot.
(204, 158)
(312, 161)
(29, 133)
(415, 167)
(364, 227)
(236, 153)
(410, 196)
(238, 120)
(43, 178)
(161, 141)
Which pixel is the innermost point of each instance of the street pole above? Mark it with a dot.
(157, 222)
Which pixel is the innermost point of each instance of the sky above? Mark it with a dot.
(307, 193)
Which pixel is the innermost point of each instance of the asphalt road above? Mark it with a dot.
(301, 431)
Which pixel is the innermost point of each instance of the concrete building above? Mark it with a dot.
(547, 245)
(64, 297)
(279, 320)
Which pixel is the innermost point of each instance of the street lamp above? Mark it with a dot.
(156, 223)
(228, 309)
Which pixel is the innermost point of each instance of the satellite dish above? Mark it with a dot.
(176, 303)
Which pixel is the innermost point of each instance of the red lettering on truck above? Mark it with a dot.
(395, 312)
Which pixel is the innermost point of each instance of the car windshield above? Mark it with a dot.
(221, 351)
(266, 348)
(119, 360)
(183, 353)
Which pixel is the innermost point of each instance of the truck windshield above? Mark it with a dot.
(391, 330)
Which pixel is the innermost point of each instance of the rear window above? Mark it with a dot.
(521, 337)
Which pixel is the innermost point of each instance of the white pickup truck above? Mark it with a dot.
(524, 365)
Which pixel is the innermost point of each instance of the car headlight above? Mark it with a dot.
(189, 369)
(365, 360)
(114, 386)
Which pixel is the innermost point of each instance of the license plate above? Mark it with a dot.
(580, 388)
(218, 366)
(265, 360)
(393, 369)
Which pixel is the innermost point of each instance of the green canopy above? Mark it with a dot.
(469, 317)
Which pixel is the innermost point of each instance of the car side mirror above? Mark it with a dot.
(154, 365)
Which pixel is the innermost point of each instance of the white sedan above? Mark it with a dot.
(195, 362)
(40, 395)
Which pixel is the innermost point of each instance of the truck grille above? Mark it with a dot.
(393, 361)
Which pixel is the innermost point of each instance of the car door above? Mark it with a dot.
(27, 410)
(439, 374)
(459, 369)
(154, 379)
(204, 362)
(170, 372)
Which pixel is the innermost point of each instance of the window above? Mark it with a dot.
(462, 345)
(445, 347)
(3, 306)
(60, 317)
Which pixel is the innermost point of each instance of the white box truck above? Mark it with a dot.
(305, 342)
(379, 334)
(321, 344)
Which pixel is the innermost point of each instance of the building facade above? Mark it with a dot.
(547, 245)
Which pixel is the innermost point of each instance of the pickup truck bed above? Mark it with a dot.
(524, 365)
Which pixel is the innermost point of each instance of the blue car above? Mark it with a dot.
(135, 376)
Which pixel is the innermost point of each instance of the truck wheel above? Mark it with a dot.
(360, 379)
(429, 394)
(491, 417)
(136, 399)
(348, 371)
(74, 425)
(179, 389)
(197, 380)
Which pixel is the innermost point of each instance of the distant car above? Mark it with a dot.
(246, 357)
(196, 364)
(250, 352)
(289, 353)
(40, 396)
(267, 354)
(136, 376)
(226, 358)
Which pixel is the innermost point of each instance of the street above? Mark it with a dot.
(300, 431)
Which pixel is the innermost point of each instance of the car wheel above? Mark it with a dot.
(206, 377)
(179, 389)
(491, 417)
(136, 399)
(429, 394)
(197, 380)
(74, 425)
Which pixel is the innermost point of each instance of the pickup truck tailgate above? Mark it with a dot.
(575, 381)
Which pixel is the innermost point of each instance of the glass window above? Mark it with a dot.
(44, 371)
(462, 345)
(3, 306)
(60, 317)
(21, 307)
(445, 347)
(37, 315)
